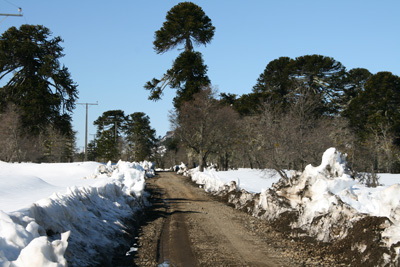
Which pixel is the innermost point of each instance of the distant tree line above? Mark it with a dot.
(297, 109)
(123, 137)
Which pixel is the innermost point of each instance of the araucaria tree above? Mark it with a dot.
(140, 137)
(34, 79)
(39, 91)
(286, 81)
(186, 23)
(123, 137)
(109, 130)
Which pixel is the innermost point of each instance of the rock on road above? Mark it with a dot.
(187, 227)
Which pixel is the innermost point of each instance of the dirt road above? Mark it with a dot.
(187, 227)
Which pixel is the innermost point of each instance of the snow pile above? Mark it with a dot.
(251, 180)
(317, 194)
(209, 181)
(83, 226)
(324, 202)
(327, 196)
(182, 169)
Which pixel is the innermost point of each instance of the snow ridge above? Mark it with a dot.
(78, 227)
(324, 202)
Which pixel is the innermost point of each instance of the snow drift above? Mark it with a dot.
(81, 226)
(324, 202)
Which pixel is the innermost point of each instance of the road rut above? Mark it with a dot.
(187, 227)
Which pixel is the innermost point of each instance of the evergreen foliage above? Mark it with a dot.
(185, 23)
(109, 129)
(354, 84)
(275, 82)
(122, 137)
(34, 79)
(284, 81)
(377, 105)
(140, 137)
(188, 76)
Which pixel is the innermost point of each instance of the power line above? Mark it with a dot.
(10, 3)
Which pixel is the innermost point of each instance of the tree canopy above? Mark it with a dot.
(109, 129)
(355, 81)
(285, 80)
(377, 105)
(185, 23)
(187, 75)
(203, 125)
(33, 77)
(140, 137)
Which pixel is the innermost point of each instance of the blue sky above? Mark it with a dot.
(108, 45)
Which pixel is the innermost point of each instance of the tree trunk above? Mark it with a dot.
(201, 162)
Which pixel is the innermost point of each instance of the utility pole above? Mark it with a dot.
(86, 125)
(12, 15)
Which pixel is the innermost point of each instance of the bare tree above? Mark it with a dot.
(291, 138)
(203, 125)
(16, 145)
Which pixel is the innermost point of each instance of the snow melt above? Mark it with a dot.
(79, 225)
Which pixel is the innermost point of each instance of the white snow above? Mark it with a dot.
(252, 180)
(51, 213)
(389, 178)
(40, 180)
(317, 192)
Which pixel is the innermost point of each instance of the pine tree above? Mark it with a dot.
(109, 129)
(186, 23)
(377, 105)
(140, 137)
(355, 81)
(284, 81)
(34, 79)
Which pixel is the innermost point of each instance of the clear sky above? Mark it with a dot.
(108, 45)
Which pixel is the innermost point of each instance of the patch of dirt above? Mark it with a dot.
(362, 246)
(188, 227)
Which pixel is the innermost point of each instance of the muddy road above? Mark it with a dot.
(187, 227)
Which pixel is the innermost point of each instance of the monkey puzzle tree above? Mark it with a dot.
(285, 81)
(140, 137)
(377, 104)
(374, 114)
(185, 23)
(33, 78)
(355, 81)
(275, 82)
(109, 129)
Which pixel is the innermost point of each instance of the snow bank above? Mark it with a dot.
(251, 180)
(324, 202)
(82, 226)
(41, 180)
